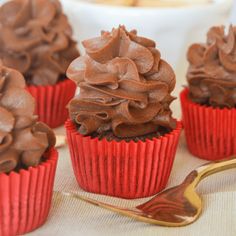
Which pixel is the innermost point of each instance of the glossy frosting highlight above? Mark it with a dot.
(36, 39)
(22, 140)
(212, 70)
(124, 85)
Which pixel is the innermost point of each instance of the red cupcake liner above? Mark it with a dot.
(25, 197)
(122, 169)
(210, 132)
(51, 101)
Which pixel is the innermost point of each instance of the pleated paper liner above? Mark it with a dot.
(25, 197)
(122, 169)
(210, 132)
(51, 101)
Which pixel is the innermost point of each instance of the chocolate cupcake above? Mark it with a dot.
(209, 102)
(121, 133)
(36, 39)
(27, 158)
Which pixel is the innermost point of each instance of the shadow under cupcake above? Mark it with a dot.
(121, 134)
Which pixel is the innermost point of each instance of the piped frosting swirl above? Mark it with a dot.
(124, 85)
(212, 70)
(36, 39)
(22, 140)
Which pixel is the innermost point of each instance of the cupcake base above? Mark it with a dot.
(51, 101)
(25, 197)
(210, 132)
(122, 169)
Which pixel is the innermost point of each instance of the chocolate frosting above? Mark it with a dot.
(22, 140)
(212, 70)
(36, 40)
(124, 85)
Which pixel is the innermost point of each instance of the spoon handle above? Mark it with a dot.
(214, 167)
(123, 211)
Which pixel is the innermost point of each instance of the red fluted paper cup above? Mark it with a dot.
(122, 169)
(25, 197)
(51, 101)
(210, 132)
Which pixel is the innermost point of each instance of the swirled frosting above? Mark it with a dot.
(124, 85)
(35, 39)
(212, 70)
(22, 140)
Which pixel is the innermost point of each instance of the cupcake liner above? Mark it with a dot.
(51, 101)
(122, 169)
(25, 197)
(210, 132)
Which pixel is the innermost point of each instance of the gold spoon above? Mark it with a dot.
(177, 206)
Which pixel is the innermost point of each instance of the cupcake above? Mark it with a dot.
(36, 39)
(27, 159)
(209, 102)
(121, 133)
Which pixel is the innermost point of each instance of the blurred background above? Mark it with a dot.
(173, 24)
